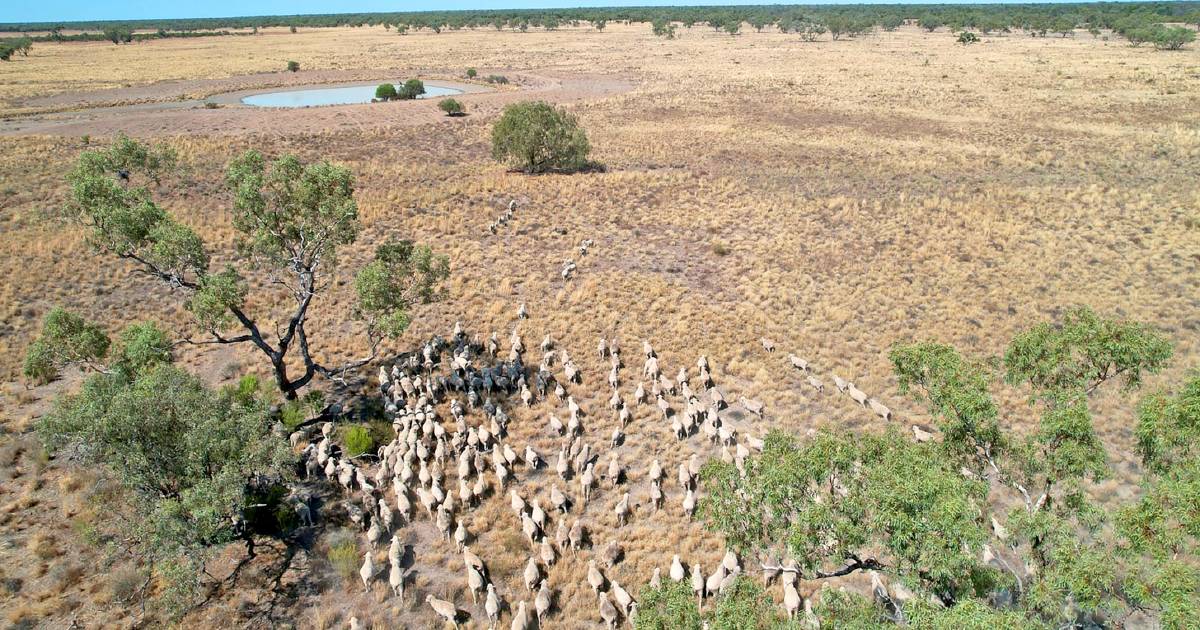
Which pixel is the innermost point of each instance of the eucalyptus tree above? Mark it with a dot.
(293, 221)
(987, 514)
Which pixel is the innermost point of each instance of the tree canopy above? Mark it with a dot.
(292, 219)
(934, 517)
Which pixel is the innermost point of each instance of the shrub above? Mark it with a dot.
(967, 37)
(451, 107)
(930, 23)
(536, 137)
(343, 554)
(385, 92)
(411, 89)
(1173, 38)
(663, 28)
(293, 66)
(292, 29)
(471, 73)
(358, 441)
(497, 78)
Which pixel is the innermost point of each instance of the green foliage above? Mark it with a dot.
(956, 392)
(537, 137)
(411, 89)
(663, 28)
(293, 66)
(921, 513)
(930, 22)
(471, 73)
(743, 606)
(450, 106)
(289, 202)
(343, 554)
(358, 440)
(401, 275)
(837, 498)
(1084, 351)
(182, 455)
(967, 37)
(1172, 38)
(496, 79)
(142, 346)
(65, 339)
(9, 46)
(385, 92)
(668, 607)
(215, 298)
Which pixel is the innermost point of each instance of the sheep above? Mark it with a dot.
(613, 553)
(698, 584)
(522, 312)
(622, 509)
(546, 551)
(444, 609)
(541, 604)
(677, 571)
(689, 503)
(656, 579)
(520, 620)
(840, 383)
(576, 535)
(816, 383)
(472, 560)
(856, 394)
(798, 363)
(730, 562)
(460, 536)
(624, 599)
(396, 580)
(921, 435)
(753, 406)
(556, 425)
(767, 344)
(492, 605)
(533, 574)
(475, 583)
(791, 599)
(639, 395)
(367, 571)
(602, 348)
(586, 481)
(608, 612)
(558, 499)
(594, 577)
(880, 410)
(713, 583)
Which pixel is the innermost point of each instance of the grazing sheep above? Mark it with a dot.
(767, 344)
(689, 503)
(492, 605)
(608, 612)
(576, 535)
(541, 605)
(396, 580)
(698, 584)
(840, 383)
(520, 620)
(656, 579)
(856, 394)
(367, 571)
(622, 597)
(475, 583)
(921, 435)
(622, 510)
(522, 312)
(791, 599)
(816, 383)
(798, 363)
(533, 575)
(677, 571)
(753, 406)
(594, 577)
(880, 410)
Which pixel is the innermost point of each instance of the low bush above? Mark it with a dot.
(343, 554)
(497, 78)
(293, 66)
(471, 73)
(358, 440)
(967, 37)
(451, 107)
(411, 89)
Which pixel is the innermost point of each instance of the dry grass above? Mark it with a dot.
(836, 197)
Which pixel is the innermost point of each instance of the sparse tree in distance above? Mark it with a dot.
(293, 66)
(536, 137)
(411, 89)
(663, 28)
(385, 92)
(471, 73)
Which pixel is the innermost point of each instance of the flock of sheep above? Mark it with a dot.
(416, 472)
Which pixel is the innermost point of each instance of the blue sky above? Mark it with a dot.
(74, 10)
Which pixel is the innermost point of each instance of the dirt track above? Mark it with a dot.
(164, 109)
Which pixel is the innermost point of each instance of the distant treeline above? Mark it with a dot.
(1036, 18)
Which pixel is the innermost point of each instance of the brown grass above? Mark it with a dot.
(862, 192)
